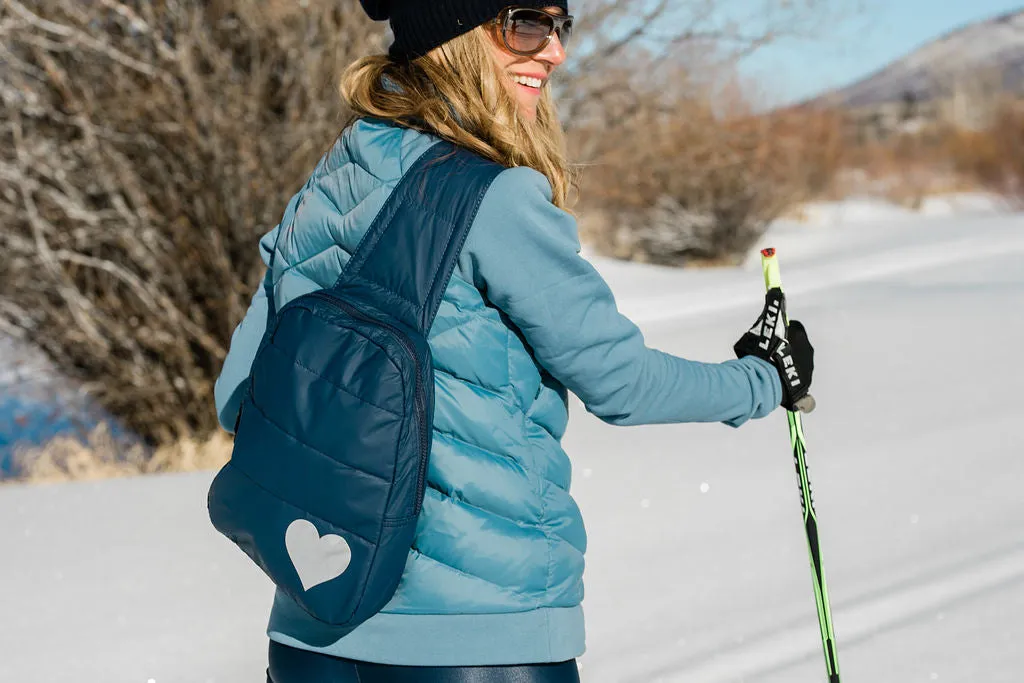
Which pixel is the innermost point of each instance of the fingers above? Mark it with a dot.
(803, 357)
(796, 334)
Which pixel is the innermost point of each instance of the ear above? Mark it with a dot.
(379, 10)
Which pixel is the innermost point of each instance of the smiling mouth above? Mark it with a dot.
(528, 82)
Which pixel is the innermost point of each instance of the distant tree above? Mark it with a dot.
(909, 109)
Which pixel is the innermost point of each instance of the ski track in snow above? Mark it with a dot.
(697, 569)
(870, 616)
(812, 279)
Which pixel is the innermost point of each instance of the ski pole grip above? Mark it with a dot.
(807, 404)
(770, 266)
(773, 279)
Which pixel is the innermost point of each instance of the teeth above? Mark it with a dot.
(526, 80)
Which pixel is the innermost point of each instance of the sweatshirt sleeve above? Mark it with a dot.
(523, 253)
(245, 340)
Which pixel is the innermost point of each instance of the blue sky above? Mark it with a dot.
(865, 42)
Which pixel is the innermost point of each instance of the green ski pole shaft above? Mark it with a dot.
(772, 278)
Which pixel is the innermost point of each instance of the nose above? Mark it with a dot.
(553, 53)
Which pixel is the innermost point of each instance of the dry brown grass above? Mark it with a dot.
(994, 158)
(903, 170)
(101, 456)
(935, 159)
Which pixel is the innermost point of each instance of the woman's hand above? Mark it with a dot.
(785, 346)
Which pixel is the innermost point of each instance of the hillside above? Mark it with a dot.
(986, 54)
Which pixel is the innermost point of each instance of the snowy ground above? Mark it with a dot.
(697, 569)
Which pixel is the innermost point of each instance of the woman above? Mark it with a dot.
(493, 587)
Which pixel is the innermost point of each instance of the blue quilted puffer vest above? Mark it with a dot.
(495, 574)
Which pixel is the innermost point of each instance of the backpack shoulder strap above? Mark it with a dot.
(409, 252)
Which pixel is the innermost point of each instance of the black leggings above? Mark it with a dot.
(291, 665)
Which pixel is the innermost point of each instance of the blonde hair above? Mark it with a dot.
(459, 93)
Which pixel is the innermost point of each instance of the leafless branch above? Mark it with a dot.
(144, 148)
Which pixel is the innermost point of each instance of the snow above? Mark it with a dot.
(697, 569)
(861, 210)
(854, 210)
(961, 203)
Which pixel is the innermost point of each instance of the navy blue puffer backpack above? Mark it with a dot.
(327, 477)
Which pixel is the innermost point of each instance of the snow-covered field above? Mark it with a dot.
(697, 569)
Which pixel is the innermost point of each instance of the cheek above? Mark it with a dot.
(507, 62)
(502, 58)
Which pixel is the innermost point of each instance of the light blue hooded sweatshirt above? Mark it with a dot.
(495, 574)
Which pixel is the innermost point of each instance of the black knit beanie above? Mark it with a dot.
(421, 25)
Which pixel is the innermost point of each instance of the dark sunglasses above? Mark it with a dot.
(526, 31)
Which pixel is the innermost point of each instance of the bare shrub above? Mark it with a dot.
(939, 157)
(693, 181)
(904, 168)
(101, 455)
(673, 171)
(144, 146)
(994, 157)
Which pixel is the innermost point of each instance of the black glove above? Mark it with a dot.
(784, 346)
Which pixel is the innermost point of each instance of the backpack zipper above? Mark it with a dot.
(420, 397)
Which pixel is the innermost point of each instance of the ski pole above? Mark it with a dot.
(772, 278)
